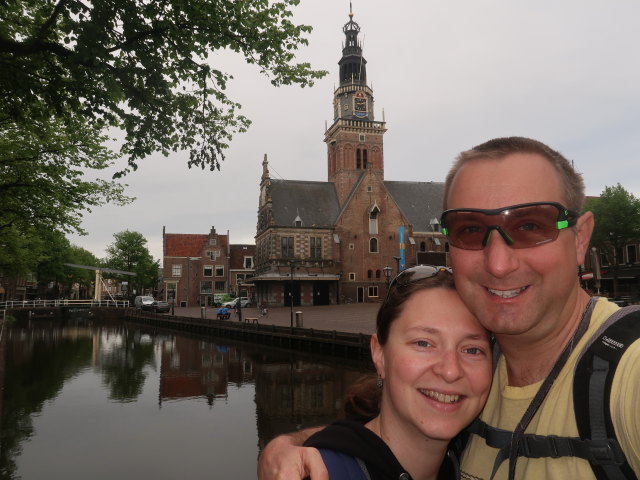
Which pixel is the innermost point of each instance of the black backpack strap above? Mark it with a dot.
(592, 389)
(540, 446)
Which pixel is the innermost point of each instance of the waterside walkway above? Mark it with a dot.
(337, 330)
(351, 318)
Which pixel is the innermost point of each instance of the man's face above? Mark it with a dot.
(528, 291)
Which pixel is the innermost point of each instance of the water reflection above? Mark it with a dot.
(144, 402)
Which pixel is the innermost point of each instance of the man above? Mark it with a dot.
(518, 275)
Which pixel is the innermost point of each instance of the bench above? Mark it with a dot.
(250, 320)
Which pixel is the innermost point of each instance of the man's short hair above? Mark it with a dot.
(499, 148)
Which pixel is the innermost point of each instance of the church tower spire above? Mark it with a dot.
(354, 140)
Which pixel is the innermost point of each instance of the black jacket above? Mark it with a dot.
(354, 439)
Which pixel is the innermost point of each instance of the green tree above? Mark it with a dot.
(20, 250)
(144, 67)
(617, 222)
(51, 267)
(43, 186)
(85, 278)
(129, 252)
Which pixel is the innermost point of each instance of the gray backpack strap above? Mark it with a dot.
(592, 381)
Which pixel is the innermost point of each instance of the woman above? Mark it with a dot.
(433, 361)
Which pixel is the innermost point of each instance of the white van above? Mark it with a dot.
(143, 302)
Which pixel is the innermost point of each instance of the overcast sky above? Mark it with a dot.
(448, 74)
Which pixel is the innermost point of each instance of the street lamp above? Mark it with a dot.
(397, 259)
(387, 275)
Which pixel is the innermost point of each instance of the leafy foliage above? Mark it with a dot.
(143, 66)
(43, 187)
(617, 218)
(617, 222)
(129, 252)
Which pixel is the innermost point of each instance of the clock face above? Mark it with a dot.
(360, 106)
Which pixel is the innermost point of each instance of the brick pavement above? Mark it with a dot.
(352, 318)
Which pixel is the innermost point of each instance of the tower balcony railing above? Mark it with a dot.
(378, 127)
(353, 86)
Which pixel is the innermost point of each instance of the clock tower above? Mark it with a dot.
(354, 140)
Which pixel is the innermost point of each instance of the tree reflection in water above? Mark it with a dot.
(62, 379)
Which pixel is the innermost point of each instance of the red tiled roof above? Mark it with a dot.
(184, 244)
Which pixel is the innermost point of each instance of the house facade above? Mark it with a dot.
(201, 269)
(341, 240)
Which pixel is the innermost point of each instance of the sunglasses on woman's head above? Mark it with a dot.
(521, 226)
(415, 274)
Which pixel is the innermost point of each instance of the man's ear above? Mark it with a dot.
(377, 355)
(584, 229)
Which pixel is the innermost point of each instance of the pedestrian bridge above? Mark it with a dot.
(13, 304)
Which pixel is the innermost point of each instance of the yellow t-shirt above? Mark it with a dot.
(506, 405)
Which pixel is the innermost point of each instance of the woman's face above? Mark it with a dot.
(436, 366)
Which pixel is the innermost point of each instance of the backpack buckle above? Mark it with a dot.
(537, 446)
(606, 452)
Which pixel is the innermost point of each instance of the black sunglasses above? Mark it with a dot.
(413, 275)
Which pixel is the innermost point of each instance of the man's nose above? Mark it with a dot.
(499, 258)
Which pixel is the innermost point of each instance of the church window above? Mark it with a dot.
(369, 273)
(315, 247)
(358, 158)
(364, 158)
(373, 245)
(286, 247)
(378, 273)
(373, 220)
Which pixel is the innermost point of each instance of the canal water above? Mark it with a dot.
(88, 398)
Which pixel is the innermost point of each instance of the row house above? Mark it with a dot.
(202, 269)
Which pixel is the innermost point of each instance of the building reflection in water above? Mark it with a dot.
(291, 392)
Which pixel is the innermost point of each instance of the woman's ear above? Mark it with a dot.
(377, 355)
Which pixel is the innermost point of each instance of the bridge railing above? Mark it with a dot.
(63, 303)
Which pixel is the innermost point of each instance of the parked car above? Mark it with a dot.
(144, 302)
(244, 303)
(160, 307)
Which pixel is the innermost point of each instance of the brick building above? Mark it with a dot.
(331, 242)
(199, 269)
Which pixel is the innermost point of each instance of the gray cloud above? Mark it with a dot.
(449, 75)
